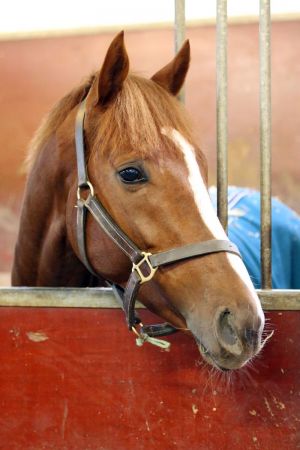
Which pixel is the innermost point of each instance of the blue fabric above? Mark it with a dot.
(244, 231)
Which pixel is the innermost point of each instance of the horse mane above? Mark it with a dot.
(54, 118)
(133, 121)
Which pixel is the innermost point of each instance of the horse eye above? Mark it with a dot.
(132, 175)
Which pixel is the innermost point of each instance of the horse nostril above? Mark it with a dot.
(227, 333)
(226, 328)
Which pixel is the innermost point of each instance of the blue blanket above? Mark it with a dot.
(244, 231)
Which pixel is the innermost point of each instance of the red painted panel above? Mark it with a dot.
(74, 379)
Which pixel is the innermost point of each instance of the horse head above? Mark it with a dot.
(147, 170)
(151, 176)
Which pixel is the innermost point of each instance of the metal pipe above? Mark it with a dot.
(222, 134)
(265, 142)
(180, 33)
(272, 300)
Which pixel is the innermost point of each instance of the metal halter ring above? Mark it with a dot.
(87, 186)
(136, 267)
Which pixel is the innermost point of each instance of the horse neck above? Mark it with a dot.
(43, 254)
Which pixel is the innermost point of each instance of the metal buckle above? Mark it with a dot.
(87, 186)
(136, 267)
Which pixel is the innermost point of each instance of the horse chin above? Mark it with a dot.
(221, 363)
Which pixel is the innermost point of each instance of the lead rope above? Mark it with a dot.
(144, 337)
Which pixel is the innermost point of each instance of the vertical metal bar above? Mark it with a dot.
(221, 78)
(265, 142)
(180, 33)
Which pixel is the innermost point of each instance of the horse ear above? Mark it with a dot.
(113, 72)
(172, 76)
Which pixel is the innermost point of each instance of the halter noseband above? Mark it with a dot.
(144, 264)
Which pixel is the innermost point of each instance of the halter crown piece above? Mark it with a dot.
(144, 264)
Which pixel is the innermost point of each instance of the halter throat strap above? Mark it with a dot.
(144, 264)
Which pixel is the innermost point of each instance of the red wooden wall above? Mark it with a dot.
(74, 380)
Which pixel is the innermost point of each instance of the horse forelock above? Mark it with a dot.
(132, 122)
(135, 119)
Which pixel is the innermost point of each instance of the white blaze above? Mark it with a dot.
(201, 196)
(204, 204)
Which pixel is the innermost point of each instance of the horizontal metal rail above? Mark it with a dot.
(272, 300)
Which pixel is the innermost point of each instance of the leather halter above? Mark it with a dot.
(144, 264)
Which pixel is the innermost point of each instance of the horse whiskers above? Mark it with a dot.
(253, 367)
(231, 381)
(267, 332)
(227, 380)
(211, 373)
(268, 324)
(250, 366)
(268, 328)
(262, 364)
(200, 363)
(249, 377)
(217, 380)
(222, 380)
(266, 339)
(212, 379)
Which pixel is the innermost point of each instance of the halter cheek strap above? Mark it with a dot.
(144, 264)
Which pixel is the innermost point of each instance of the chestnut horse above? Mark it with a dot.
(150, 175)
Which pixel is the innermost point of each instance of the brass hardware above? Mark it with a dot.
(87, 186)
(136, 267)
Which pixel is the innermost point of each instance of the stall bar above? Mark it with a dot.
(265, 142)
(221, 96)
(265, 128)
(179, 33)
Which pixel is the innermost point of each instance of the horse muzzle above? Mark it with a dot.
(233, 341)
